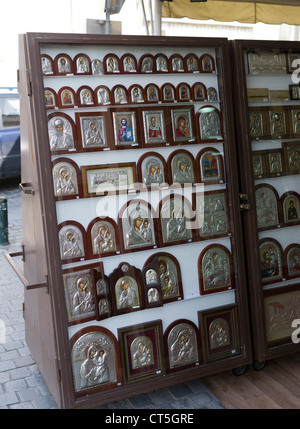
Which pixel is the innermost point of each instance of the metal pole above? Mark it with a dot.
(3, 222)
(107, 21)
(157, 17)
(145, 17)
(151, 16)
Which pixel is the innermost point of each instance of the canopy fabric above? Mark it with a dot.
(248, 12)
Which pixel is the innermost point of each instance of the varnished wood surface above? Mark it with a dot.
(276, 386)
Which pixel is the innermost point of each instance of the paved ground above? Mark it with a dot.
(21, 384)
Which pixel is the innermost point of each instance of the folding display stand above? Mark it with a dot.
(133, 256)
(268, 116)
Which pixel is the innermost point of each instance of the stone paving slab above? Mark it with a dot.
(21, 383)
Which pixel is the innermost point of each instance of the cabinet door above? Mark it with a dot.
(138, 162)
(267, 113)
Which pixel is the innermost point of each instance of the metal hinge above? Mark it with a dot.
(244, 205)
(58, 370)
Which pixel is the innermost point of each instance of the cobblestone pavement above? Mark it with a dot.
(21, 383)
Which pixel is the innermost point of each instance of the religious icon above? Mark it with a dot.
(256, 124)
(146, 64)
(136, 94)
(95, 360)
(111, 64)
(138, 226)
(97, 67)
(175, 215)
(183, 125)
(82, 64)
(290, 203)
(120, 94)
(50, 98)
(125, 128)
(66, 97)
(63, 64)
(215, 269)
(209, 123)
(47, 65)
(275, 162)
(182, 339)
(296, 122)
(92, 129)
(212, 94)
(65, 179)
(161, 63)
(181, 167)
(129, 63)
(207, 63)
(292, 152)
(71, 240)
(102, 95)
(102, 237)
(199, 92)
(220, 333)
(183, 92)
(168, 93)
(60, 131)
(266, 199)
(85, 95)
(152, 170)
(192, 63)
(79, 294)
(277, 123)
(270, 260)
(292, 260)
(141, 350)
(176, 62)
(209, 162)
(152, 93)
(212, 214)
(154, 126)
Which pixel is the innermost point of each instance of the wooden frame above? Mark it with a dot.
(111, 64)
(215, 269)
(102, 95)
(174, 226)
(183, 92)
(128, 64)
(291, 261)
(290, 208)
(219, 330)
(61, 133)
(99, 180)
(267, 207)
(210, 166)
(138, 363)
(126, 289)
(82, 64)
(90, 344)
(292, 157)
(199, 92)
(152, 285)
(136, 94)
(80, 293)
(183, 124)
(47, 65)
(152, 171)
(94, 131)
(137, 225)
(63, 65)
(176, 63)
(170, 276)
(152, 93)
(271, 260)
(182, 345)
(126, 130)
(146, 63)
(167, 93)
(119, 95)
(72, 241)
(182, 168)
(161, 63)
(51, 100)
(67, 179)
(102, 238)
(85, 96)
(207, 64)
(191, 63)
(209, 128)
(212, 221)
(260, 164)
(103, 298)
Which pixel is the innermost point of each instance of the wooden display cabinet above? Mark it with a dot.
(267, 124)
(113, 303)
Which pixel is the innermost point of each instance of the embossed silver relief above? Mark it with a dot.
(93, 131)
(161, 64)
(154, 126)
(218, 333)
(210, 167)
(151, 277)
(46, 65)
(153, 171)
(212, 216)
(182, 169)
(210, 127)
(120, 95)
(141, 352)
(128, 65)
(296, 121)
(79, 295)
(257, 165)
(147, 65)
(103, 237)
(267, 62)
(174, 219)
(256, 124)
(277, 123)
(60, 134)
(168, 277)
(293, 261)
(64, 180)
(103, 306)
(182, 345)
(126, 292)
(71, 242)
(136, 95)
(138, 228)
(212, 94)
(86, 97)
(97, 67)
(64, 65)
(82, 65)
(192, 63)
(103, 96)
(93, 361)
(216, 269)
(294, 157)
(275, 162)
(152, 295)
(266, 207)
